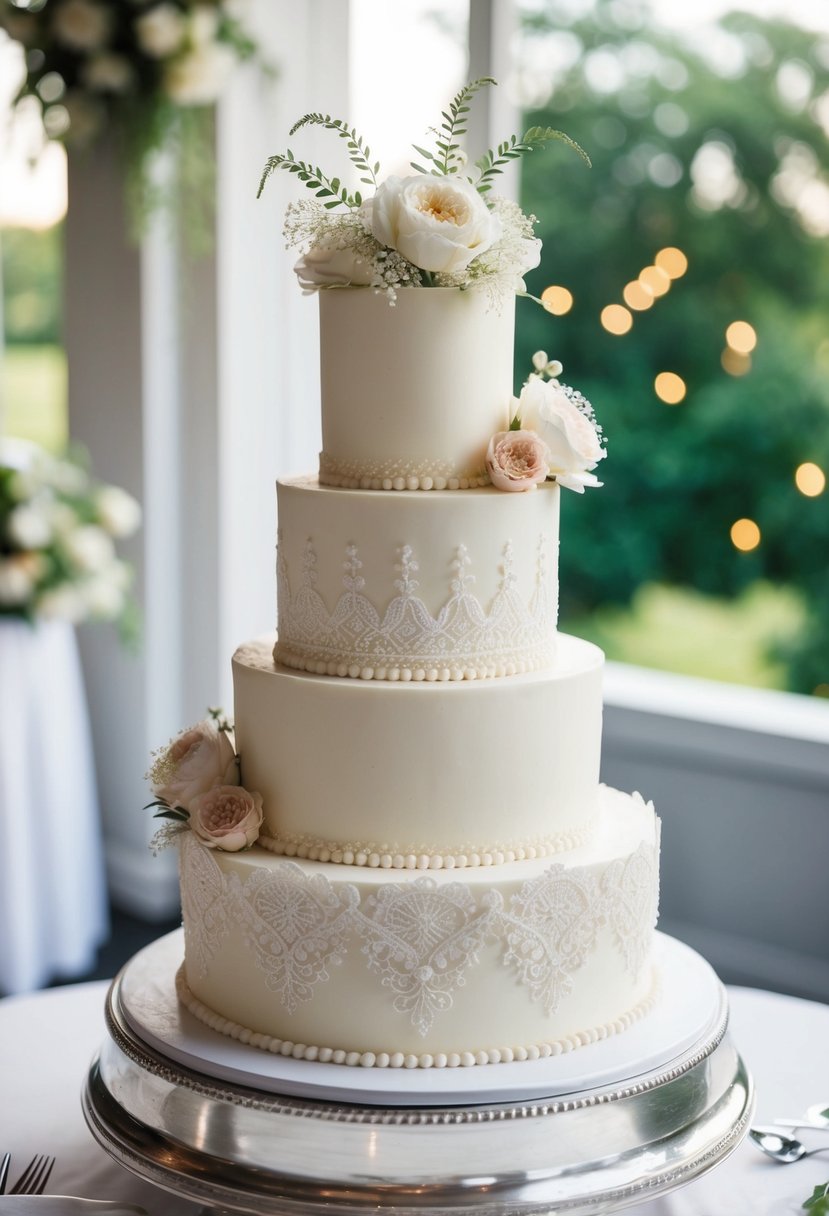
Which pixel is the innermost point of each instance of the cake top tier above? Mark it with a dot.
(417, 284)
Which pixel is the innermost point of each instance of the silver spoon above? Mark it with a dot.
(783, 1149)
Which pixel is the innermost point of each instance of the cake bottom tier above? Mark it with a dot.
(384, 968)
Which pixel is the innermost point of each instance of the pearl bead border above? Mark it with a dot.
(387, 857)
(338, 481)
(400, 673)
(400, 1059)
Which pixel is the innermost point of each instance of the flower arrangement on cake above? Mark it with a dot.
(57, 534)
(440, 227)
(196, 786)
(146, 69)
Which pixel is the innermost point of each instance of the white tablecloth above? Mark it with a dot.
(47, 1041)
(53, 904)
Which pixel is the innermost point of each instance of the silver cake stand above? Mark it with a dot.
(225, 1125)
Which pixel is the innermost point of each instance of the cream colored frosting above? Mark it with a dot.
(404, 771)
(439, 586)
(374, 962)
(412, 390)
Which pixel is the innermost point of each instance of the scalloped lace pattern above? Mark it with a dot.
(420, 857)
(464, 640)
(398, 474)
(419, 938)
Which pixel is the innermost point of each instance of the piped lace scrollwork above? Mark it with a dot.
(398, 474)
(420, 938)
(465, 639)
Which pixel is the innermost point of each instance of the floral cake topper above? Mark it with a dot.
(553, 436)
(196, 784)
(439, 227)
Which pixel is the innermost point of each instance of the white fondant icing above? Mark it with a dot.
(421, 770)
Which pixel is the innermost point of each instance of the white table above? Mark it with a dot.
(53, 900)
(47, 1041)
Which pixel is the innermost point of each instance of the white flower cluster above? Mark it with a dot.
(57, 534)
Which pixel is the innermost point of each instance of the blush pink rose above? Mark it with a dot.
(194, 762)
(227, 818)
(517, 460)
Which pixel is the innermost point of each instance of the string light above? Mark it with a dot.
(557, 300)
(655, 280)
(616, 319)
(670, 388)
(810, 479)
(745, 535)
(637, 296)
(673, 261)
(741, 337)
(734, 363)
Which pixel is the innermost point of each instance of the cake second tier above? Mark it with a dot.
(424, 775)
(410, 586)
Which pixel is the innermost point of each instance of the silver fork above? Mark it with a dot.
(34, 1178)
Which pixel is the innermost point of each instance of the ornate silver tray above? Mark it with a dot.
(238, 1148)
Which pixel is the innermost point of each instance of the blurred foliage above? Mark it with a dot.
(31, 278)
(33, 392)
(751, 213)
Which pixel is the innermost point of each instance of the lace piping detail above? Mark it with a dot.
(398, 474)
(420, 938)
(399, 1059)
(422, 857)
(464, 640)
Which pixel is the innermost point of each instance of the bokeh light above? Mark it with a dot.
(557, 300)
(745, 535)
(655, 280)
(735, 364)
(741, 337)
(672, 260)
(810, 479)
(616, 319)
(670, 388)
(637, 296)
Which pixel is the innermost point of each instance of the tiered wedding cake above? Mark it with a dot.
(439, 878)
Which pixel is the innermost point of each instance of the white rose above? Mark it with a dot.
(89, 548)
(17, 581)
(81, 24)
(325, 267)
(437, 223)
(29, 527)
(160, 32)
(571, 438)
(195, 762)
(65, 603)
(108, 73)
(117, 510)
(198, 77)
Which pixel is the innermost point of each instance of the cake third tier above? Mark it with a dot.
(422, 774)
(412, 586)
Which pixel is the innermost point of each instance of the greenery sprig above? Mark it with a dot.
(330, 188)
(165, 811)
(449, 158)
(493, 163)
(359, 152)
(818, 1202)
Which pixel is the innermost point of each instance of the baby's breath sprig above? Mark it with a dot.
(359, 152)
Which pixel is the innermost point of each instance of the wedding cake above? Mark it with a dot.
(403, 857)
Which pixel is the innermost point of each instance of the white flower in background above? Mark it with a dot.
(108, 73)
(571, 437)
(103, 597)
(160, 32)
(438, 223)
(63, 519)
(197, 77)
(204, 24)
(17, 580)
(118, 511)
(67, 477)
(89, 548)
(81, 25)
(28, 526)
(545, 366)
(64, 603)
(227, 818)
(325, 267)
(199, 759)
